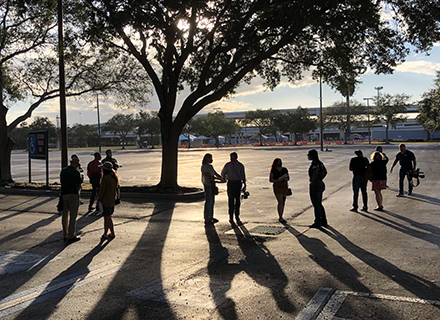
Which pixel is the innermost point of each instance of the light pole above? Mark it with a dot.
(99, 123)
(80, 118)
(368, 114)
(378, 89)
(62, 86)
(58, 133)
(321, 133)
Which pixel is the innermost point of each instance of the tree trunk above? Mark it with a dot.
(387, 141)
(6, 146)
(168, 178)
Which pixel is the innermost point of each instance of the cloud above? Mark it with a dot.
(420, 67)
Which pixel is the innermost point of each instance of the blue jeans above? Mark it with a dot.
(359, 182)
(316, 192)
(209, 202)
(402, 175)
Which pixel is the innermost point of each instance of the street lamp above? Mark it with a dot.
(368, 114)
(378, 89)
(99, 123)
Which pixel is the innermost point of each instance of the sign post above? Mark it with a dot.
(39, 149)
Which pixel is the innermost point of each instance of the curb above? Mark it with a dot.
(186, 197)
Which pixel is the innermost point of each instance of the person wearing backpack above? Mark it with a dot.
(317, 173)
(359, 165)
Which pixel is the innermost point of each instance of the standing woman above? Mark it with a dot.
(208, 179)
(379, 180)
(279, 177)
(107, 193)
(317, 173)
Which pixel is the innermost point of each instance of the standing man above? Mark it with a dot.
(233, 172)
(70, 187)
(358, 166)
(407, 161)
(94, 174)
(317, 172)
(109, 158)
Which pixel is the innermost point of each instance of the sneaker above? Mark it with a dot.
(364, 209)
(315, 225)
(354, 210)
(400, 195)
(74, 239)
(409, 193)
(214, 220)
(378, 208)
(281, 220)
(239, 223)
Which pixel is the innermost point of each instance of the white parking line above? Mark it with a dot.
(62, 285)
(326, 302)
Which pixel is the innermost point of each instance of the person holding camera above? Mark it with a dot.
(233, 172)
(208, 179)
(407, 161)
(279, 177)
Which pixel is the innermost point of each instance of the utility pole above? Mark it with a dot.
(321, 134)
(99, 123)
(62, 88)
(368, 114)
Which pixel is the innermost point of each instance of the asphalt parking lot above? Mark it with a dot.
(164, 264)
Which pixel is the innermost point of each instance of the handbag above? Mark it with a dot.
(289, 192)
(215, 190)
(368, 174)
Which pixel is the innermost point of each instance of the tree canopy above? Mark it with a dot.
(121, 124)
(429, 108)
(390, 109)
(263, 120)
(344, 116)
(212, 47)
(214, 125)
(297, 122)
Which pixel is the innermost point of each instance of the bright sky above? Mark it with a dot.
(414, 77)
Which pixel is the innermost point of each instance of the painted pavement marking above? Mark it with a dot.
(14, 261)
(58, 286)
(326, 302)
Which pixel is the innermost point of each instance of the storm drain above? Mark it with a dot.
(267, 230)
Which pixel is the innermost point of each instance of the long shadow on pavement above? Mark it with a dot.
(80, 265)
(259, 264)
(420, 287)
(11, 284)
(431, 235)
(142, 267)
(28, 208)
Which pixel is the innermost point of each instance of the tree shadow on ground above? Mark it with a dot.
(26, 209)
(75, 269)
(11, 284)
(114, 304)
(258, 263)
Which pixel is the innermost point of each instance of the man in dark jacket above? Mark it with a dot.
(407, 161)
(358, 166)
(70, 186)
(94, 174)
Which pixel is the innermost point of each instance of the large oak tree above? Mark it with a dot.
(211, 47)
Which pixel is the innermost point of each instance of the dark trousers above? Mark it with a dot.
(95, 191)
(359, 182)
(402, 175)
(234, 190)
(316, 192)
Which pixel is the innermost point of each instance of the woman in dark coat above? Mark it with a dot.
(379, 180)
(279, 177)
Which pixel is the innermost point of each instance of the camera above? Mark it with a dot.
(417, 175)
(245, 194)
